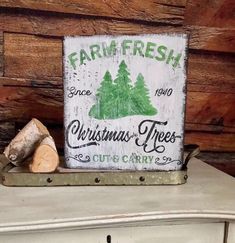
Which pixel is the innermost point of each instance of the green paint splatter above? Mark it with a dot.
(118, 98)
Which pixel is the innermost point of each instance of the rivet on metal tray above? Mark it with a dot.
(142, 178)
(49, 180)
(97, 180)
(186, 177)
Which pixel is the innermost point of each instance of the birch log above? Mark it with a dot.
(45, 158)
(25, 142)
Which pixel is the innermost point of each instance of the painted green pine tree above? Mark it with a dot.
(119, 98)
(122, 91)
(140, 98)
(104, 97)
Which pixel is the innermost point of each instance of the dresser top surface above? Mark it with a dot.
(208, 193)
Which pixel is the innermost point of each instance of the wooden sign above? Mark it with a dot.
(124, 101)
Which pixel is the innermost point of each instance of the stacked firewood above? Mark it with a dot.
(33, 146)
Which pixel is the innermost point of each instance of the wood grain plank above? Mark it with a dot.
(47, 24)
(204, 38)
(1, 54)
(196, 127)
(211, 38)
(214, 13)
(210, 108)
(21, 104)
(226, 88)
(211, 69)
(29, 56)
(32, 56)
(34, 83)
(211, 142)
(158, 11)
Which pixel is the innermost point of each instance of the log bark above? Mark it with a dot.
(45, 158)
(25, 141)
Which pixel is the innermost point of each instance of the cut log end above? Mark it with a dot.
(45, 159)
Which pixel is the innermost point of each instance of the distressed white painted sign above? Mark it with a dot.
(124, 101)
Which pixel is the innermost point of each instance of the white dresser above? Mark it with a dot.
(201, 211)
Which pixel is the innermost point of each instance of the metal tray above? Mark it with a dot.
(20, 176)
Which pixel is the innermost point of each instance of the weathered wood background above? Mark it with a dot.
(31, 33)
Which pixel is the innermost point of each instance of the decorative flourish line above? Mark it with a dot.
(80, 158)
(167, 160)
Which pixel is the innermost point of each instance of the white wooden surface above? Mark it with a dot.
(207, 198)
(231, 233)
(191, 233)
(208, 193)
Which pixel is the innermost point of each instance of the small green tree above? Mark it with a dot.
(122, 91)
(104, 97)
(141, 103)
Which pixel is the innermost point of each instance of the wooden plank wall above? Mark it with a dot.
(31, 33)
